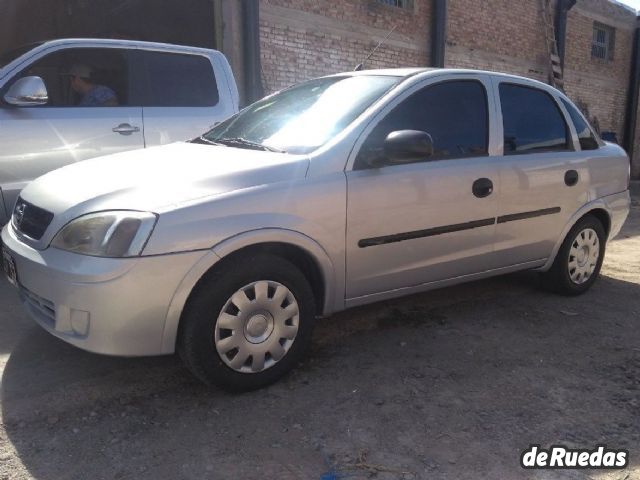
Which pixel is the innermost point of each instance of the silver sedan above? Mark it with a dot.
(336, 192)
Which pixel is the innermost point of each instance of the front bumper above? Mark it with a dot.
(113, 306)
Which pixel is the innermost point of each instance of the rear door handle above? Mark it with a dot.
(125, 129)
(571, 178)
(483, 187)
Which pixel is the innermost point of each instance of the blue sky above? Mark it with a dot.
(632, 3)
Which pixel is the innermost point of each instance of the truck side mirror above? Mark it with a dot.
(27, 92)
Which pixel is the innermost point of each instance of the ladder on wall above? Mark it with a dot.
(555, 65)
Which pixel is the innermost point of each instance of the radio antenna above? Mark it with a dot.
(360, 66)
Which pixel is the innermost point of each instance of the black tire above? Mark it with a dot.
(558, 278)
(196, 343)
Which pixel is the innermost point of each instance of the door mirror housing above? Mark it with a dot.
(406, 146)
(27, 92)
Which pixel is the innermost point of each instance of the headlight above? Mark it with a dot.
(107, 234)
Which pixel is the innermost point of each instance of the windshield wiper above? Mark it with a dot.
(244, 143)
(204, 140)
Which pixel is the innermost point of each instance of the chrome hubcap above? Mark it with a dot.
(583, 256)
(257, 326)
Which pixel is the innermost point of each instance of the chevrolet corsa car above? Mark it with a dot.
(336, 192)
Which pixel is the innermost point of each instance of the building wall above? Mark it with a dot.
(301, 39)
(498, 35)
(8, 29)
(185, 22)
(600, 87)
(635, 161)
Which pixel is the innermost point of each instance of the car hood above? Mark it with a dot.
(159, 178)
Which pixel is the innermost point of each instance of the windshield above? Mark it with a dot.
(304, 117)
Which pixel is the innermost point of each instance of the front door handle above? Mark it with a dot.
(126, 129)
(571, 178)
(483, 187)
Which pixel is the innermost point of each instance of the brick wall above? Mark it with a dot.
(599, 86)
(302, 39)
(498, 35)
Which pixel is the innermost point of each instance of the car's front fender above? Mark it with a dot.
(333, 283)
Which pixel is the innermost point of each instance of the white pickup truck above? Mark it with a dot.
(153, 93)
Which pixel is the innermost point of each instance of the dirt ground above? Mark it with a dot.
(451, 384)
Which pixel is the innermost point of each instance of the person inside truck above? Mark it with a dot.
(93, 95)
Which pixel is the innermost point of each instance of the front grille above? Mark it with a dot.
(30, 220)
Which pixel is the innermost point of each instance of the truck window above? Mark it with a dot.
(179, 80)
(532, 121)
(82, 77)
(585, 134)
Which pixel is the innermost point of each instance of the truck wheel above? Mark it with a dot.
(578, 262)
(247, 323)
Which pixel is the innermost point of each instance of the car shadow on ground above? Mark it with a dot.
(453, 383)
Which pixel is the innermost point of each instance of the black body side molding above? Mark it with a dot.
(458, 227)
(524, 215)
(429, 232)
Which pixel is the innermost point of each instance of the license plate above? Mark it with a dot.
(9, 267)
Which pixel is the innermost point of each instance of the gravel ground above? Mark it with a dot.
(453, 383)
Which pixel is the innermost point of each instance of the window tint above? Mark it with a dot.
(83, 77)
(532, 121)
(176, 80)
(585, 134)
(454, 113)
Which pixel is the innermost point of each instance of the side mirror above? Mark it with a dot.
(27, 92)
(406, 146)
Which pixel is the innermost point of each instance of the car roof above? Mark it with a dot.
(389, 72)
(39, 47)
(108, 42)
(426, 72)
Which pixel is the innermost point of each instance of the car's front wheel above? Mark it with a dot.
(578, 262)
(247, 323)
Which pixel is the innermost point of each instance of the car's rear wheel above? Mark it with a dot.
(247, 323)
(578, 262)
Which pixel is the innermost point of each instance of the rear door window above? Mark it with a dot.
(177, 80)
(532, 121)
